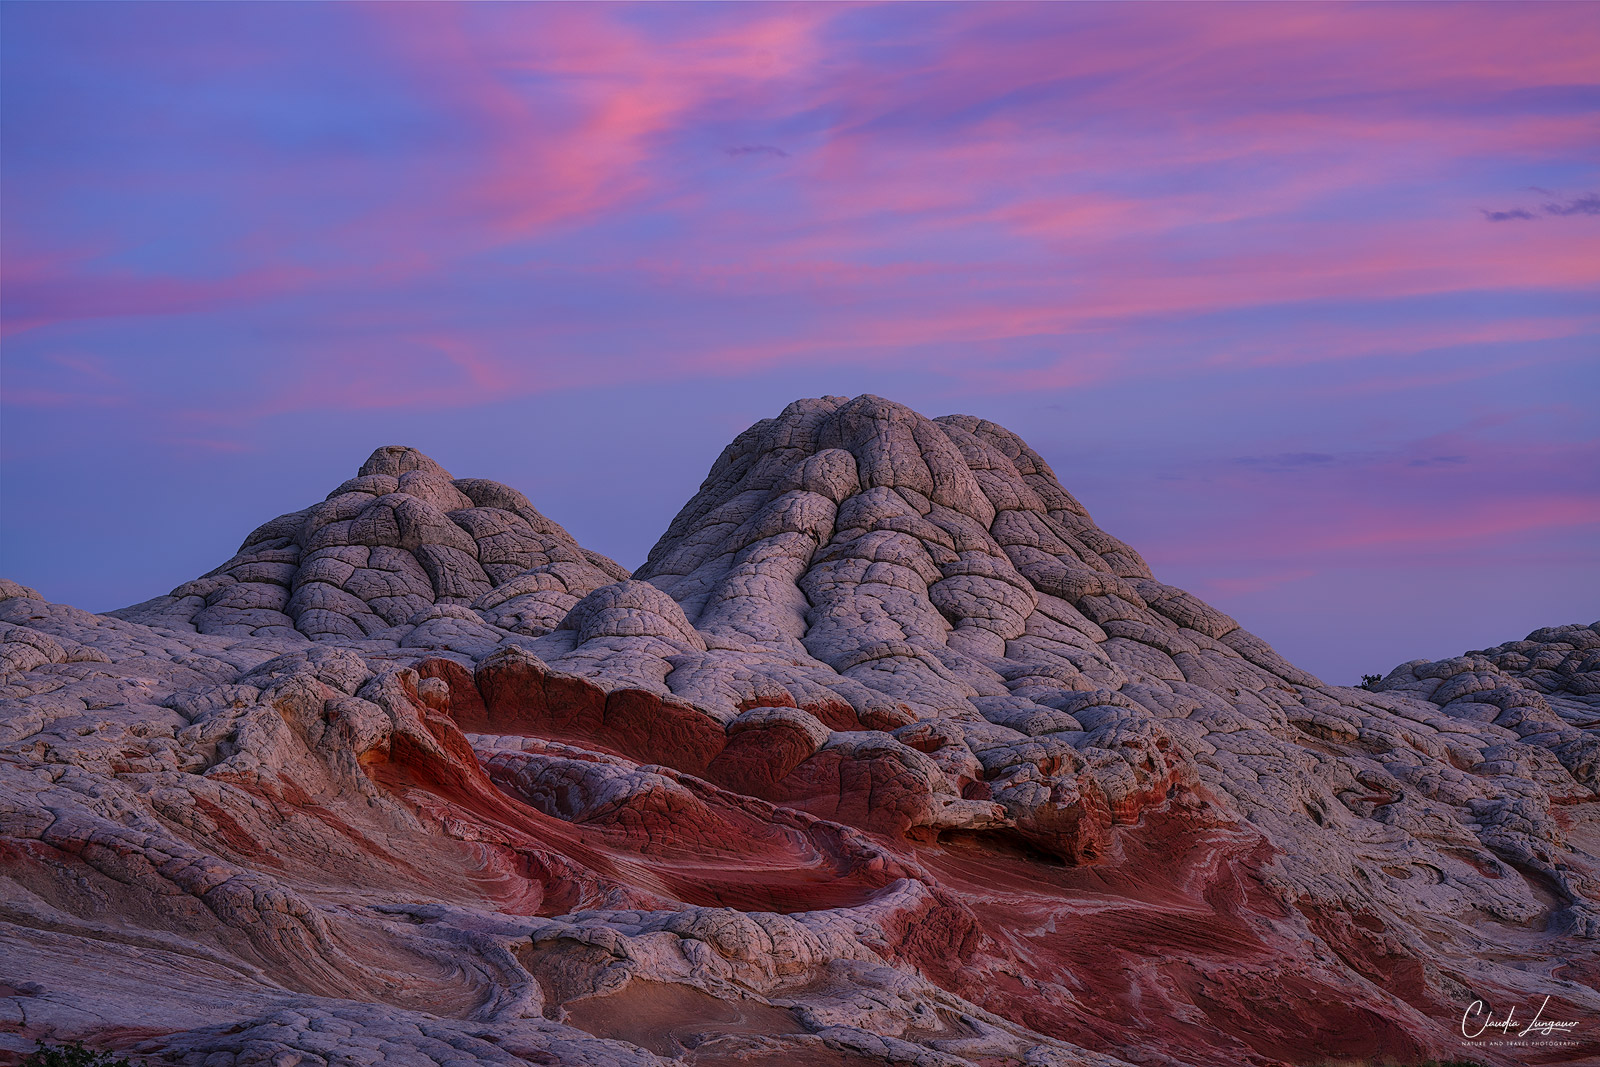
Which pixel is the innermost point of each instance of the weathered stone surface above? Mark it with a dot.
(887, 754)
(384, 548)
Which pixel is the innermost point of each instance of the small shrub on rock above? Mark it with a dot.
(72, 1054)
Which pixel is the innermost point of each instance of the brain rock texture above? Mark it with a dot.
(886, 755)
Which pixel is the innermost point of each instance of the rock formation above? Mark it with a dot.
(886, 755)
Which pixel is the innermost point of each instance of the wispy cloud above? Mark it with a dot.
(1247, 243)
(1286, 461)
(1586, 204)
(757, 150)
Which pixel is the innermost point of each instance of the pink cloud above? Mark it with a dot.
(56, 298)
(1256, 583)
(1471, 520)
(1490, 482)
(1137, 172)
(565, 155)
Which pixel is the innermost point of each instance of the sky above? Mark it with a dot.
(1302, 301)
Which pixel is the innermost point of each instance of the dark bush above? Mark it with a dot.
(72, 1054)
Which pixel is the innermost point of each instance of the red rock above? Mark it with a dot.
(887, 754)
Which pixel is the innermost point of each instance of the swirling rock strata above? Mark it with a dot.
(887, 754)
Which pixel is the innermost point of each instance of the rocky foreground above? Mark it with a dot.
(887, 755)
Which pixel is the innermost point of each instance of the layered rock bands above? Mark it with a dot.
(886, 755)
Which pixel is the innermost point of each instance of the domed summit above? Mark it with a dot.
(384, 548)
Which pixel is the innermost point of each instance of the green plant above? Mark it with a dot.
(1369, 682)
(72, 1054)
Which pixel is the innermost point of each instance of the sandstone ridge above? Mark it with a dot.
(887, 754)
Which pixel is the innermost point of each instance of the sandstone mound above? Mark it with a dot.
(887, 754)
(381, 553)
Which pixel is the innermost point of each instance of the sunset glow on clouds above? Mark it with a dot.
(1301, 300)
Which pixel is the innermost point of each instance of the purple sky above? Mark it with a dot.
(1301, 301)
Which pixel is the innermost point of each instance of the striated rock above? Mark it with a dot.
(887, 754)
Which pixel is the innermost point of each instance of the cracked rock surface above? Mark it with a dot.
(886, 755)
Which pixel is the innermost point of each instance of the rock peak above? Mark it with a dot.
(395, 460)
(382, 554)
